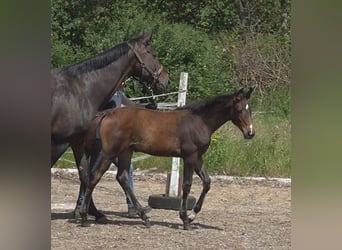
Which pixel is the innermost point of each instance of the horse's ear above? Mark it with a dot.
(147, 38)
(248, 94)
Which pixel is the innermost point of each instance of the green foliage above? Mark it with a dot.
(223, 45)
(206, 39)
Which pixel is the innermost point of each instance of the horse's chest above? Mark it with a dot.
(71, 118)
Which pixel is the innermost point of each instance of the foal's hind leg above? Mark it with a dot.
(203, 174)
(124, 162)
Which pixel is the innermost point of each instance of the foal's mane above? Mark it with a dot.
(197, 107)
(101, 60)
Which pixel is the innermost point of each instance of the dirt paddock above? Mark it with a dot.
(237, 214)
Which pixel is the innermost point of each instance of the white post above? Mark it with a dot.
(174, 178)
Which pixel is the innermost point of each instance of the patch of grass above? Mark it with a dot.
(161, 164)
(66, 160)
(267, 154)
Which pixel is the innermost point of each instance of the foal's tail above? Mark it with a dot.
(93, 132)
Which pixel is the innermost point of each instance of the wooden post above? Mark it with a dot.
(174, 179)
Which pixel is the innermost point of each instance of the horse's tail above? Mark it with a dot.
(93, 131)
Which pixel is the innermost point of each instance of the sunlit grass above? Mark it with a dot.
(267, 154)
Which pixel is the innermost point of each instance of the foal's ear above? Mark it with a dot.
(147, 38)
(238, 95)
(248, 94)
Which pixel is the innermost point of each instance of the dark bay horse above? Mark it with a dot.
(79, 90)
(184, 132)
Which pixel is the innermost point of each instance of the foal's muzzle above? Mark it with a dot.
(249, 135)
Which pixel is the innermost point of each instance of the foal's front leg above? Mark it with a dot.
(191, 163)
(203, 174)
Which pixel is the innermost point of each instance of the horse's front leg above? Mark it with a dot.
(187, 182)
(203, 174)
(124, 162)
(94, 178)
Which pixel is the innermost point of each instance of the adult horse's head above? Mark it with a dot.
(242, 113)
(147, 68)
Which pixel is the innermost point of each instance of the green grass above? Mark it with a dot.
(66, 160)
(267, 154)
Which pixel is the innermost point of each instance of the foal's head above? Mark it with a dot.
(242, 113)
(148, 68)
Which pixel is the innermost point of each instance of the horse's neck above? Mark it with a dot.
(102, 83)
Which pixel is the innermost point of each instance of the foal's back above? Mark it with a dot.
(144, 130)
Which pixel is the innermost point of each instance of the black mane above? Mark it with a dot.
(103, 59)
(99, 61)
(198, 107)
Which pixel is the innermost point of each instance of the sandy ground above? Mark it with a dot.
(237, 214)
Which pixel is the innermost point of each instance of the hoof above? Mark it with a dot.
(192, 216)
(96, 213)
(134, 213)
(146, 209)
(85, 224)
(147, 223)
(187, 227)
(76, 214)
(102, 220)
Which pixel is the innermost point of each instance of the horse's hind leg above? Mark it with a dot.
(92, 210)
(203, 174)
(83, 172)
(122, 177)
(94, 178)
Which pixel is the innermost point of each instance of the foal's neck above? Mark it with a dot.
(215, 116)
